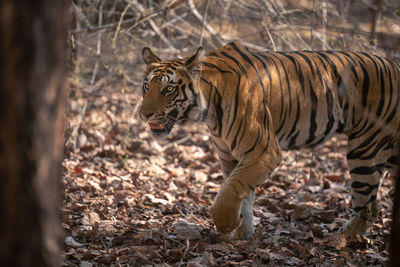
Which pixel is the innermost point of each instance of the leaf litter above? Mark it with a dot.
(130, 201)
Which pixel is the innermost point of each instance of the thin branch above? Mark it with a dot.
(80, 15)
(119, 24)
(253, 46)
(132, 23)
(289, 25)
(92, 80)
(206, 25)
(175, 19)
(154, 26)
(162, 36)
(324, 22)
(266, 24)
(376, 12)
(204, 22)
(312, 25)
(322, 38)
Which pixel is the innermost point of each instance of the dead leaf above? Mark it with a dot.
(185, 230)
(77, 170)
(336, 240)
(333, 178)
(70, 241)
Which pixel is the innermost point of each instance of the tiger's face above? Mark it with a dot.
(170, 93)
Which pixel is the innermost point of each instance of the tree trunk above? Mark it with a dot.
(395, 235)
(32, 96)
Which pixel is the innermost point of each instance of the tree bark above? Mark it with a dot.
(395, 234)
(32, 97)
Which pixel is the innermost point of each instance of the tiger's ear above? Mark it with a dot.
(193, 63)
(149, 57)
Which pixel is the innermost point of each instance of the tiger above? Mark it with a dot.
(256, 104)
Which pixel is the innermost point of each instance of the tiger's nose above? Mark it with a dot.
(147, 115)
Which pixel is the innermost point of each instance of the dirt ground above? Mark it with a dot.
(130, 201)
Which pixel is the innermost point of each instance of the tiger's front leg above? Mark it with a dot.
(233, 206)
(246, 229)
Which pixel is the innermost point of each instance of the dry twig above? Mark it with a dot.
(312, 25)
(306, 46)
(266, 25)
(94, 74)
(196, 13)
(204, 21)
(119, 24)
(80, 15)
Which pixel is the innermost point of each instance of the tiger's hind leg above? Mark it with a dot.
(391, 163)
(367, 157)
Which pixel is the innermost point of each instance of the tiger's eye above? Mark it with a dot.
(146, 86)
(170, 88)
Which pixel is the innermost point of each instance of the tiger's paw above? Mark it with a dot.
(225, 211)
(360, 221)
(244, 231)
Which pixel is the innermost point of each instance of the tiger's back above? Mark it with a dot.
(310, 95)
(257, 103)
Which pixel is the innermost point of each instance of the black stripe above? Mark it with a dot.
(313, 116)
(220, 149)
(314, 99)
(374, 62)
(367, 170)
(366, 83)
(390, 97)
(356, 153)
(233, 144)
(293, 140)
(394, 111)
(217, 106)
(392, 160)
(362, 130)
(350, 58)
(383, 142)
(259, 136)
(250, 62)
(235, 106)
(236, 62)
(288, 110)
(212, 66)
(357, 187)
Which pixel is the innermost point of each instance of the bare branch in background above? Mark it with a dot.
(98, 45)
(128, 23)
(377, 10)
(155, 28)
(253, 46)
(305, 45)
(80, 15)
(312, 25)
(196, 13)
(322, 38)
(75, 134)
(324, 23)
(119, 24)
(204, 22)
(261, 4)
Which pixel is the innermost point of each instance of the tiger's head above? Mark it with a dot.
(169, 92)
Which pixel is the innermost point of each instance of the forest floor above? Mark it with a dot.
(130, 201)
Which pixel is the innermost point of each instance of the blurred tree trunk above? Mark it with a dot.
(32, 95)
(395, 236)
